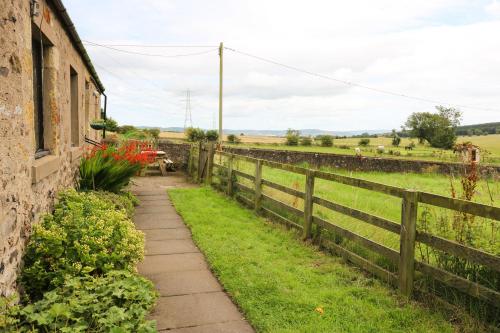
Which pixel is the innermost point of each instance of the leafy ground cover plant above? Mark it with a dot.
(110, 168)
(86, 235)
(123, 201)
(116, 302)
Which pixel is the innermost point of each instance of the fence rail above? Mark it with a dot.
(404, 259)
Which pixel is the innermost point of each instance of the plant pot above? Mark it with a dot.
(98, 126)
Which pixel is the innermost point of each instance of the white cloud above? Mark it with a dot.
(493, 8)
(427, 48)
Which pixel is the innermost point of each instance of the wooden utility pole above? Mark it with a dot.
(221, 49)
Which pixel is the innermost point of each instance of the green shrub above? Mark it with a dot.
(111, 124)
(211, 135)
(153, 133)
(364, 142)
(231, 138)
(86, 234)
(292, 137)
(116, 302)
(124, 201)
(195, 134)
(136, 134)
(306, 141)
(396, 140)
(326, 140)
(125, 128)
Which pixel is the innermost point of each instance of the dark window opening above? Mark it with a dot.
(38, 95)
(75, 124)
(40, 47)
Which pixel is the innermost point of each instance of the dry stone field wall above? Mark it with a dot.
(176, 152)
(351, 162)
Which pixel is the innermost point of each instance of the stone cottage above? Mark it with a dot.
(49, 94)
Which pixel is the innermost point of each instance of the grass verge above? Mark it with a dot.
(282, 285)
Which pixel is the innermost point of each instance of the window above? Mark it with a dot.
(37, 54)
(41, 52)
(75, 123)
(87, 108)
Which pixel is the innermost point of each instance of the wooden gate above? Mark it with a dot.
(201, 161)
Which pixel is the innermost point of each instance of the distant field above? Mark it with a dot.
(244, 138)
(490, 145)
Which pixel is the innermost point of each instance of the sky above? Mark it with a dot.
(439, 51)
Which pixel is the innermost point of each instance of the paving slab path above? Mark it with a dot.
(191, 299)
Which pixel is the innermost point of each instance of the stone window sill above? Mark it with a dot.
(76, 153)
(44, 167)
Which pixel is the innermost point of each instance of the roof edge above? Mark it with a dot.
(68, 24)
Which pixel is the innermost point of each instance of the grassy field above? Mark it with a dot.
(282, 285)
(488, 192)
(490, 145)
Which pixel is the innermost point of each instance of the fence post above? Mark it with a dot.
(258, 185)
(200, 155)
(210, 163)
(308, 204)
(190, 161)
(230, 176)
(409, 211)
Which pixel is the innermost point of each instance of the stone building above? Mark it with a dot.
(49, 94)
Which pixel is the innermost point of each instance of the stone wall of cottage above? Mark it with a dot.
(28, 186)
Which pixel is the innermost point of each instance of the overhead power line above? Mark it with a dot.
(116, 76)
(155, 45)
(149, 54)
(354, 84)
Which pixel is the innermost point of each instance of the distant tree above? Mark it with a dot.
(153, 132)
(364, 142)
(325, 140)
(436, 128)
(212, 135)
(194, 134)
(292, 137)
(396, 139)
(111, 125)
(231, 138)
(125, 128)
(305, 141)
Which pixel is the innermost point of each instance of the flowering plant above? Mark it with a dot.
(110, 168)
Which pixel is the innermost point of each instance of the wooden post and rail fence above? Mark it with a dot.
(202, 164)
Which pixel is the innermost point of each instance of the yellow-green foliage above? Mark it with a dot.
(86, 234)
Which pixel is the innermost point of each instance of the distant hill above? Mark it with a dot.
(306, 132)
(479, 129)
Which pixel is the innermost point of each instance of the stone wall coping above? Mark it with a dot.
(43, 167)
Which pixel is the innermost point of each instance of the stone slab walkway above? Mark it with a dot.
(191, 299)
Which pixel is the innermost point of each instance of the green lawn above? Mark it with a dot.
(282, 285)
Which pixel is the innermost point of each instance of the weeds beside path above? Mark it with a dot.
(283, 285)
